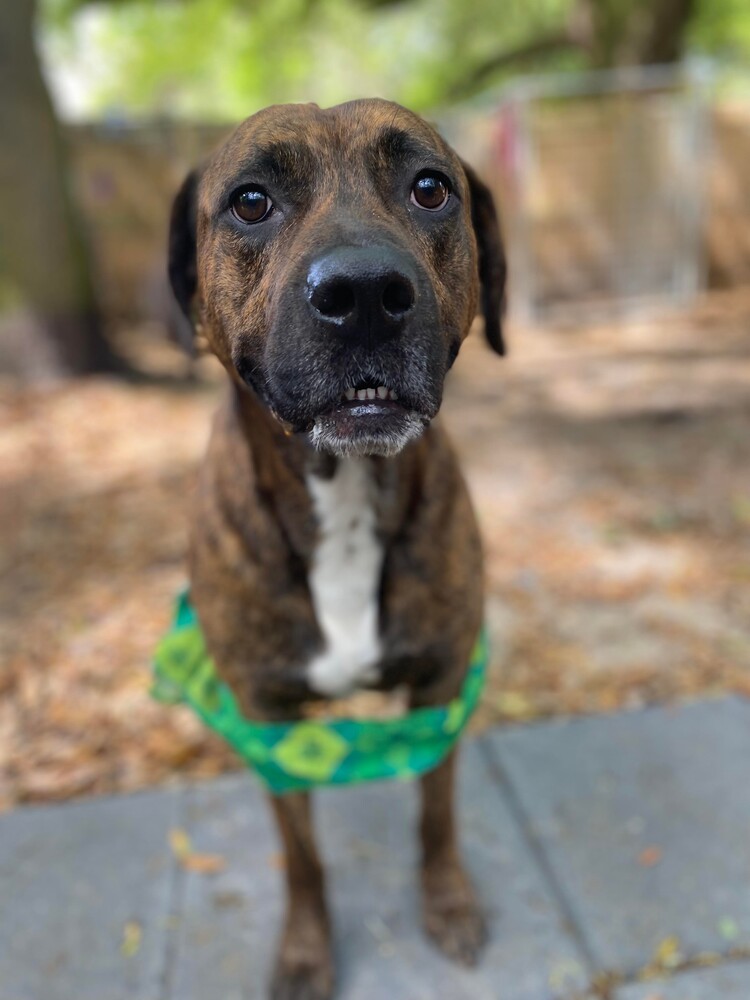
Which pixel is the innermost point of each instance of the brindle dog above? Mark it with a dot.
(334, 261)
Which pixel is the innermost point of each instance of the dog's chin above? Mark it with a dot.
(365, 429)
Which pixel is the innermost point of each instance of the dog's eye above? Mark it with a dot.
(430, 191)
(251, 204)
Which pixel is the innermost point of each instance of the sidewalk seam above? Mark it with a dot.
(174, 911)
(493, 760)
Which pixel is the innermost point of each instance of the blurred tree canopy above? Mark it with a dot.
(222, 58)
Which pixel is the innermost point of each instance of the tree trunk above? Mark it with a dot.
(665, 41)
(644, 32)
(51, 324)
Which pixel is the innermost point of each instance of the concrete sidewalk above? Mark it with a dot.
(606, 850)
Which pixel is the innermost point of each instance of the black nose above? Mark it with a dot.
(368, 290)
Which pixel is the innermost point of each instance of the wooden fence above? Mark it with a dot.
(126, 178)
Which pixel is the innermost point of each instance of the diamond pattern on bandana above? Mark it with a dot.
(310, 751)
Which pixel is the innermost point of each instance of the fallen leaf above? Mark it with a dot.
(204, 864)
(514, 705)
(132, 934)
(668, 954)
(728, 929)
(650, 857)
(179, 841)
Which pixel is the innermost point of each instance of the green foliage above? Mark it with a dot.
(722, 28)
(220, 59)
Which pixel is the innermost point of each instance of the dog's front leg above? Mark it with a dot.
(304, 965)
(452, 915)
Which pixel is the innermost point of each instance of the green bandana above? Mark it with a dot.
(292, 756)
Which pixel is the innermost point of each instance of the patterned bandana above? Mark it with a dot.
(293, 756)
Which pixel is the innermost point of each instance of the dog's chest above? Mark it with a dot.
(344, 578)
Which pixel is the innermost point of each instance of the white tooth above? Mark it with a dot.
(350, 393)
(371, 394)
(361, 393)
(393, 394)
(382, 392)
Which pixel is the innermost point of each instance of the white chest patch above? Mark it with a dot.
(345, 579)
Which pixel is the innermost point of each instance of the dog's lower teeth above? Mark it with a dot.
(382, 392)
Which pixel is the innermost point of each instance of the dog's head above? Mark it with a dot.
(335, 260)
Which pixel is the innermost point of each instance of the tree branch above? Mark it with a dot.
(556, 41)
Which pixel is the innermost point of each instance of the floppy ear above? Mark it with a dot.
(182, 268)
(492, 268)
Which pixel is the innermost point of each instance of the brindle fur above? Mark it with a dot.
(254, 529)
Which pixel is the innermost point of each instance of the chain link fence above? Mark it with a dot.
(603, 179)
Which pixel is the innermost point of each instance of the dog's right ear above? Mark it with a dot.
(183, 265)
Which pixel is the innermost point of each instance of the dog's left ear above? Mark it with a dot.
(492, 267)
(183, 265)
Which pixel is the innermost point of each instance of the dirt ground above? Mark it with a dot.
(610, 470)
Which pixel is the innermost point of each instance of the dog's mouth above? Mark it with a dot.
(367, 419)
(355, 395)
(365, 399)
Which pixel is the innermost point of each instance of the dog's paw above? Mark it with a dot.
(302, 979)
(457, 927)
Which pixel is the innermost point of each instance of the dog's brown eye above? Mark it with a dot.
(430, 191)
(251, 204)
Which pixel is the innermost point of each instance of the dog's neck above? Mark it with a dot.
(283, 465)
(275, 449)
(340, 540)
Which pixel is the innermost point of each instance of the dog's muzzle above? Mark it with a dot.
(355, 355)
(364, 296)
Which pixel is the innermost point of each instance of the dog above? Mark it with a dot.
(334, 261)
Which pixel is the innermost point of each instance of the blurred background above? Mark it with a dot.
(608, 456)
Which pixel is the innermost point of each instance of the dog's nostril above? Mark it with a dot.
(362, 290)
(398, 297)
(334, 299)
